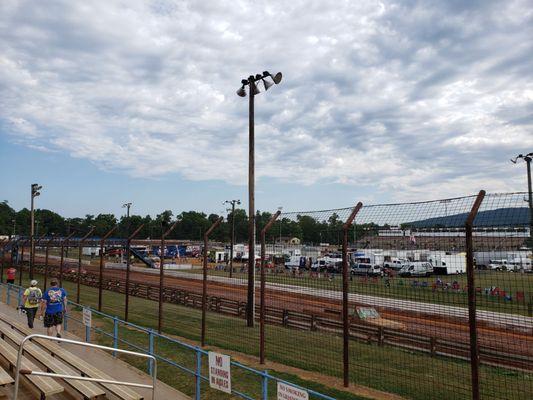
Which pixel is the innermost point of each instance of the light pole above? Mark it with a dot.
(34, 193)
(232, 202)
(14, 226)
(251, 181)
(527, 158)
(127, 206)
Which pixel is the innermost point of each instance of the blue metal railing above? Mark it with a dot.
(265, 377)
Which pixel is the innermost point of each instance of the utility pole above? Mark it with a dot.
(232, 202)
(34, 193)
(527, 158)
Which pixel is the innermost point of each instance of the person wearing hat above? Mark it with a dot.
(31, 299)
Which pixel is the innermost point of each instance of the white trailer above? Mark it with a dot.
(448, 264)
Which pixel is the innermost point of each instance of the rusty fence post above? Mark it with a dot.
(35, 243)
(474, 349)
(46, 267)
(162, 276)
(80, 249)
(345, 281)
(66, 240)
(101, 269)
(127, 289)
(21, 261)
(204, 283)
(262, 292)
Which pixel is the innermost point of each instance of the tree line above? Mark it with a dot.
(191, 225)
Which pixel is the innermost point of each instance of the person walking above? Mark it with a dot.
(11, 273)
(30, 301)
(54, 306)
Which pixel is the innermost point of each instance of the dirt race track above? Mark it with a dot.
(508, 340)
(452, 329)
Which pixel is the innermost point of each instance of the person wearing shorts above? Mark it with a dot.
(54, 306)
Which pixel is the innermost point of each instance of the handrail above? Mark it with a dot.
(19, 371)
(199, 352)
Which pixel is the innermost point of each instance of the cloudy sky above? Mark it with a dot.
(104, 102)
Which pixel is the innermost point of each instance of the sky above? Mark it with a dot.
(107, 102)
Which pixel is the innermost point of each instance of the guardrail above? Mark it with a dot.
(19, 371)
(15, 292)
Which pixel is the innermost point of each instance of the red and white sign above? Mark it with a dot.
(288, 392)
(220, 372)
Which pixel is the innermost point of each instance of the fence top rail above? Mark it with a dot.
(197, 349)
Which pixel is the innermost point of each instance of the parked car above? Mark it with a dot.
(395, 264)
(498, 265)
(418, 268)
(367, 269)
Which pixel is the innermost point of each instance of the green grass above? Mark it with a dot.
(403, 288)
(411, 374)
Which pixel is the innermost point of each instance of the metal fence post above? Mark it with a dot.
(19, 296)
(65, 322)
(8, 295)
(101, 269)
(115, 335)
(78, 278)
(150, 350)
(474, 350)
(198, 374)
(204, 285)
(162, 276)
(87, 333)
(345, 282)
(264, 385)
(63, 243)
(262, 293)
(128, 255)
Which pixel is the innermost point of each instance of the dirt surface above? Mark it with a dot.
(440, 327)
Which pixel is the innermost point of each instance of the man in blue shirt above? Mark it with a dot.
(54, 305)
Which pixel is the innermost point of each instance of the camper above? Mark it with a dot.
(448, 264)
(416, 268)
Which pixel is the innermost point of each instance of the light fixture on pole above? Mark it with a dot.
(253, 90)
(232, 202)
(527, 158)
(127, 207)
(34, 193)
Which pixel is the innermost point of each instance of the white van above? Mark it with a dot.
(417, 268)
(367, 269)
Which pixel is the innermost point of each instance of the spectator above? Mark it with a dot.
(54, 305)
(30, 299)
(11, 272)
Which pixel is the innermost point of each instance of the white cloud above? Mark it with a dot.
(412, 98)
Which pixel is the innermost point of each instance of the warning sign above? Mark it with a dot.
(288, 392)
(220, 372)
(87, 317)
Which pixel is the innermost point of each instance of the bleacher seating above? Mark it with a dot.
(55, 359)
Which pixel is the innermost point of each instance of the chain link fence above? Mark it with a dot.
(403, 298)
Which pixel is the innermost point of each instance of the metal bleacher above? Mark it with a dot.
(44, 367)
